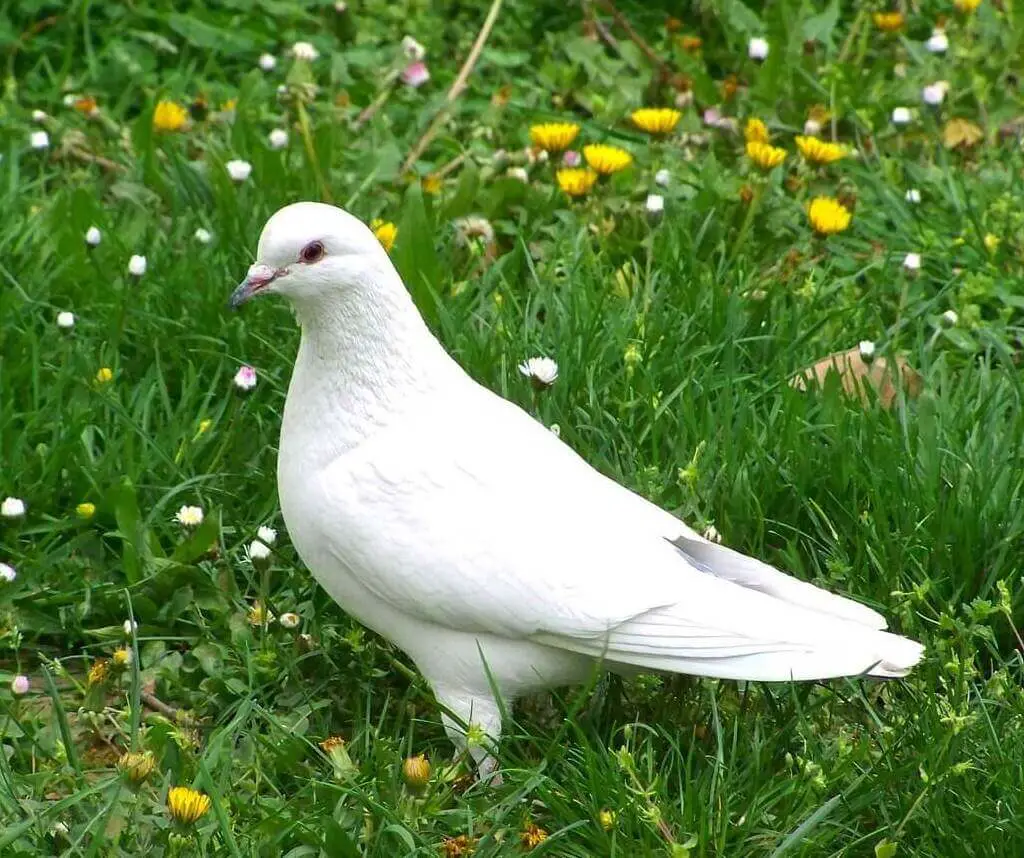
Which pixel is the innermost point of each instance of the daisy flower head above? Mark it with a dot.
(238, 170)
(65, 320)
(12, 507)
(938, 42)
(412, 49)
(867, 350)
(245, 378)
(757, 49)
(137, 265)
(20, 685)
(656, 120)
(819, 151)
(605, 159)
(576, 181)
(39, 140)
(764, 155)
(257, 552)
(913, 196)
(93, 236)
(290, 620)
(266, 535)
(277, 139)
(541, 371)
(7, 573)
(415, 74)
(950, 318)
(267, 62)
(305, 52)
(901, 116)
(571, 158)
(554, 136)
(662, 178)
(189, 516)
(828, 216)
(912, 261)
(655, 205)
(203, 236)
(935, 93)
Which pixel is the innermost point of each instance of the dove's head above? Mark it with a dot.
(310, 252)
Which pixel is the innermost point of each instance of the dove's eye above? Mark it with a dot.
(312, 252)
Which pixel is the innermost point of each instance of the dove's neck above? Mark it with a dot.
(365, 359)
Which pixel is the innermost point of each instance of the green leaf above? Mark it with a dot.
(738, 18)
(464, 199)
(820, 27)
(203, 538)
(885, 849)
(338, 843)
(129, 525)
(209, 37)
(415, 256)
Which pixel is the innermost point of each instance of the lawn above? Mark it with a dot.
(837, 180)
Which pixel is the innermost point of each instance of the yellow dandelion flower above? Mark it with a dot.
(607, 819)
(122, 658)
(991, 242)
(385, 231)
(230, 105)
(606, 159)
(136, 766)
(828, 216)
(169, 116)
(966, 6)
(766, 156)
(187, 805)
(532, 835)
(104, 375)
(576, 181)
(86, 510)
(755, 131)
(431, 185)
(553, 136)
(656, 120)
(819, 151)
(888, 22)
(98, 672)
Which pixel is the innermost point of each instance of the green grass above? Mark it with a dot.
(914, 509)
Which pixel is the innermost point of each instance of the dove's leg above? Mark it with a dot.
(477, 715)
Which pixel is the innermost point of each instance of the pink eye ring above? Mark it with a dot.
(312, 252)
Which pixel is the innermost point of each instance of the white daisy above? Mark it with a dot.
(137, 265)
(935, 93)
(239, 170)
(938, 43)
(867, 349)
(913, 196)
(290, 620)
(267, 62)
(901, 116)
(304, 51)
(12, 508)
(655, 204)
(950, 317)
(266, 535)
(245, 378)
(129, 628)
(912, 261)
(662, 178)
(257, 552)
(189, 516)
(65, 320)
(757, 49)
(203, 236)
(277, 139)
(7, 573)
(542, 371)
(93, 236)
(39, 140)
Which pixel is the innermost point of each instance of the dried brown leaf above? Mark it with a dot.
(857, 375)
(961, 133)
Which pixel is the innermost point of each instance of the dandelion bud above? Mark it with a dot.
(416, 773)
(136, 767)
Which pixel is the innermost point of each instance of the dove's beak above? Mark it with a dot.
(258, 278)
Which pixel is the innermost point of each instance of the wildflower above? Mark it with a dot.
(935, 93)
(12, 508)
(385, 231)
(169, 116)
(757, 49)
(129, 627)
(104, 375)
(258, 552)
(820, 152)
(607, 819)
(889, 22)
(764, 155)
(632, 356)
(571, 158)
(691, 44)
(901, 116)
(189, 516)
(122, 658)
(913, 195)
(755, 131)
(304, 51)
(607, 159)
(99, 672)
(245, 378)
(137, 265)
(532, 835)
(204, 426)
(85, 104)
(431, 184)
(93, 236)
(828, 216)
(812, 127)
(519, 174)
(656, 120)
(259, 615)
(19, 685)
(966, 6)
(912, 261)
(416, 772)
(457, 847)
(136, 766)
(238, 170)
(714, 118)
(577, 181)
(412, 49)
(267, 535)
(290, 620)
(472, 229)
(415, 74)
(187, 805)
(938, 42)
(278, 138)
(7, 573)
(655, 205)
(662, 178)
(203, 236)
(554, 136)
(991, 242)
(86, 510)
(711, 534)
(542, 371)
(65, 320)
(39, 140)
(267, 62)
(950, 317)
(39, 116)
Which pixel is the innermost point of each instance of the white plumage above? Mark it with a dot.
(452, 523)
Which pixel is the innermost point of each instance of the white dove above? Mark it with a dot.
(451, 522)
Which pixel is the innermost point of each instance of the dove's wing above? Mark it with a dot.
(474, 517)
